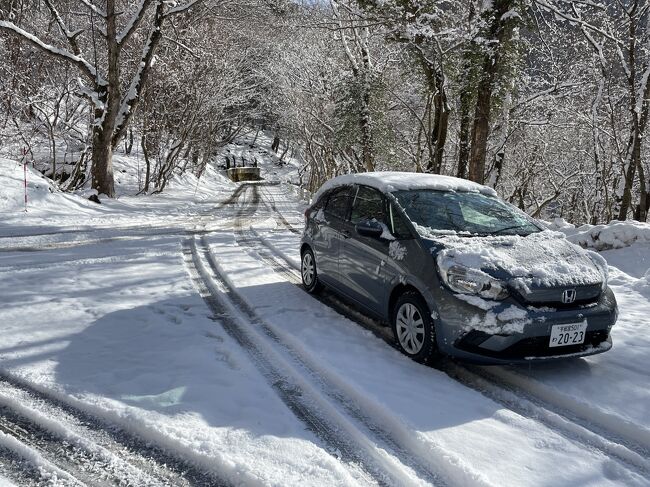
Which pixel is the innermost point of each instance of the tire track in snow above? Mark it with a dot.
(280, 218)
(77, 463)
(141, 228)
(556, 418)
(143, 236)
(608, 425)
(93, 451)
(123, 232)
(296, 393)
(19, 470)
(395, 438)
(504, 388)
(134, 257)
(80, 243)
(511, 396)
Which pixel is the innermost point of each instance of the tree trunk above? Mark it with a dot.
(102, 163)
(284, 152)
(128, 145)
(628, 177)
(644, 202)
(466, 97)
(53, 142)
(500, 31)
(367, 142)
(367, 155)
(440, 124)
(436, 86)
(464, 133)
(481, 128)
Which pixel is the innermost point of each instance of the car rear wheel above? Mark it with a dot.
(413, 328)
(309, 273)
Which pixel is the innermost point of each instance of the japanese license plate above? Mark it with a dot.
(568, 334)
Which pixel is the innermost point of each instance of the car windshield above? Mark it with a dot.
(459, 212)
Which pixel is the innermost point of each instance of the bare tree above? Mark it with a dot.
(96, 48)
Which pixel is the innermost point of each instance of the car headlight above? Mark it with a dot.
(464, 280)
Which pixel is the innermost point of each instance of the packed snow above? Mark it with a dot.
(539, 259)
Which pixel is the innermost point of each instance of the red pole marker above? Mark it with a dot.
(25, 175)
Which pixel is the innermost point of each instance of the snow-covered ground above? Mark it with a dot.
(178, 319)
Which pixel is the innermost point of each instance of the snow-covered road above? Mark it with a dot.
(168, 341)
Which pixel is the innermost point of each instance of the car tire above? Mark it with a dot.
(413, 328)
(308, 272)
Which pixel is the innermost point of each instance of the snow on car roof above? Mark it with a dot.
(389, 181)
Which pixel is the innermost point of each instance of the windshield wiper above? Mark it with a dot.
(512, 227)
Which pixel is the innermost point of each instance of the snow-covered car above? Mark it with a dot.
(456, 270)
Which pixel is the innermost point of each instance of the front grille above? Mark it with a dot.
(528, 347)
(552, 296)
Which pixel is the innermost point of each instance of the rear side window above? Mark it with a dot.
(368, 204)
(338, 203)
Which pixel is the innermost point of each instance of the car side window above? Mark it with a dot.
(368, 204)
(338, 203)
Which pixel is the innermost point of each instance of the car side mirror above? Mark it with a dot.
(369, 228)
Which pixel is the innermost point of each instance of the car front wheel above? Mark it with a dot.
(413, 328)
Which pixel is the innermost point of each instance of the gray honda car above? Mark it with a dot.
(455, 270)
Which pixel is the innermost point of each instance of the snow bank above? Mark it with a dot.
(388, 181)
(614, 235)
(12, 192)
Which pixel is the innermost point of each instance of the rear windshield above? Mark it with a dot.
(458, 212)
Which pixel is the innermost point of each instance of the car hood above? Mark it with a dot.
(544, 259)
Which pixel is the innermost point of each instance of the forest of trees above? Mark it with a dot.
(544, 100)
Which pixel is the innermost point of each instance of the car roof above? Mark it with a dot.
(389, 181)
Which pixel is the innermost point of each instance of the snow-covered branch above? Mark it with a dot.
(84, 66)
(93, 8)
(130, 100)
(544, 4)
(184, 7)
(70, 36)
(136, 19)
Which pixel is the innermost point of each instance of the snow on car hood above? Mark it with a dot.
(544, 259)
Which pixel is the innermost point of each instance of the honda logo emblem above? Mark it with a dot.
(568, 296)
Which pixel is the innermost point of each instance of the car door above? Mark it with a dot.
(363, 261)
(330, 223)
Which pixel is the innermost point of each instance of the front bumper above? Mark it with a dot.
(463, 334)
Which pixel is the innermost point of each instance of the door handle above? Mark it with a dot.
(345, 234)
